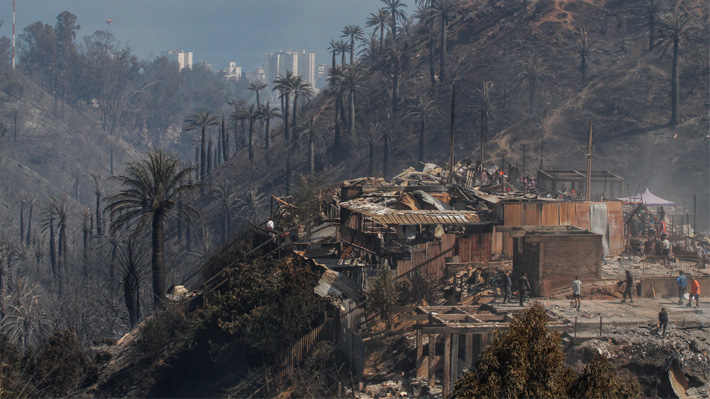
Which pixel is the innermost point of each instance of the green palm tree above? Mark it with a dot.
(676, 29)
(444, 8)
(534, 68)
(201, 121)
(424, 109)
(257, 86)
(266, 114)
(149, 196)
(379, 20)
(396, 13)
(283, 84)
(486, 105)
(353, 32)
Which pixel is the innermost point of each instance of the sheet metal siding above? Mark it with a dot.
(476, 248)
(616, 228)
(560, 213)
(429, 258)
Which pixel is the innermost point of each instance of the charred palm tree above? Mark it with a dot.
(353, 32)
(486, 104)
(97, 191)
(534, 68)
(379, 21)
(445, 8)
(676, 29)
(257, 87)
(149, 195)
(201, 121)
(424, 110)
(132, 265)
(266, 114)
(284, 85)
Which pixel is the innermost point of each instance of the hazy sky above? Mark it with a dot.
(217, 31)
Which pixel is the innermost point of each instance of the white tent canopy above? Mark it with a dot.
(647, 198)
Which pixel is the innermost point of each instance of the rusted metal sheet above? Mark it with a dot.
(582, 216)
(496, 243)
(616, 228)
(567, 213)
(513, 215)
(476, 248)
(550, 214)
(532, 214)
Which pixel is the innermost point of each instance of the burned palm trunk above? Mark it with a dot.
(29, 227)
(53, 250)
(131, 294)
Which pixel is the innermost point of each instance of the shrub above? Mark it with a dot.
(165, 327)
(62, 365)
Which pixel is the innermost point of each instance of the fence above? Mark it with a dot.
(304, 346)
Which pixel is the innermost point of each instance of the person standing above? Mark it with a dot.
(682, 283)
(523, 287)
(629, 287)
(666, 250)
(663, 320)
(694, 292)
(577, 292)
(508, 287)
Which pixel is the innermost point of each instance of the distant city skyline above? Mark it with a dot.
(216, 31)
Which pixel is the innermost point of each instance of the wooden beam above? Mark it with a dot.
(454, 359)
(446, 381)
(477, 328)
(468, 357)
(432, 353)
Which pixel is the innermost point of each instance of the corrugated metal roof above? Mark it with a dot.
(386, 215)
(334, 283)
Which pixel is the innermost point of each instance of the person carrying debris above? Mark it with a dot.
(523, 287)
(694, 292)
(629, 287)
(663, 320)
(508, 287)
(577, 292)
(682, 283)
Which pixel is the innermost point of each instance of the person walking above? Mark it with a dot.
(577, 292)
(508, 287)
(694, 292)
(523, 287)
(682, 283)
(629, 287)
(663, 320)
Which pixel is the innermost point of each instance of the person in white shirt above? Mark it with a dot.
(270, 224)
(577, 292)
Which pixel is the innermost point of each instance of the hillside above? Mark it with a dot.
(51, 155)
(625, 96)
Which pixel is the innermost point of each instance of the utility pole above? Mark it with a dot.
(524, 174)
(542, 136)
(451, 144)
(589, 165)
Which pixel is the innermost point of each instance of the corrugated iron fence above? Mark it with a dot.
(429, 258)
(561, 213)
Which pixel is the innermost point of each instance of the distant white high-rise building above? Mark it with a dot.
(307, 67)
(183, 58)
(233, 72)
(301, 63)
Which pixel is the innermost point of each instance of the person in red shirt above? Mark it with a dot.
(694, 292)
